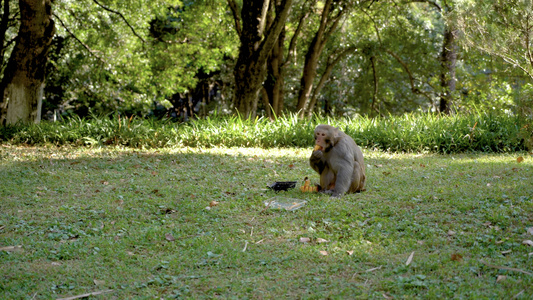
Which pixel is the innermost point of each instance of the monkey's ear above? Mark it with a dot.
(336, 138)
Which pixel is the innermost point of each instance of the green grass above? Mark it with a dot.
(430, 133)
(135, 221)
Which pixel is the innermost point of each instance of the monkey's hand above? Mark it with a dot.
(317, 155)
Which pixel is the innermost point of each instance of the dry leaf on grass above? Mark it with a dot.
(501, 278)
(213, 203)
(169, 237)
(410, 259)
(520, 159)
(350, 252)
(98, 282)
(325, 253)
(528, 242)
(321, 240)
(457, 257)
(530, 230)
(11, 248)
(305, 240)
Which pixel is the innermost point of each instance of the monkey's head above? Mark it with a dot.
(326, 137)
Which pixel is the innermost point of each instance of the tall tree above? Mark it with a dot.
(257, 41)
(280, 58)
(331, 63)
(448, 58)
(332, 14)
(22, 86)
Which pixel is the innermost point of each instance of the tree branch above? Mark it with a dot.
(273, 31)
(4, 25)
(375, 73)
(294, 38)
(528, 36)
(263, 19)
(236, 16)
(414, 89)
(429, 2)
(336, 21)
(121, 16)
(378, 36)
(331, 63)
(78, 40)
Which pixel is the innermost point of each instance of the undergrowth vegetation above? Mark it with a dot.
(485, 132)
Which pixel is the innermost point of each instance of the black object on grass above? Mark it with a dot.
(282, 185)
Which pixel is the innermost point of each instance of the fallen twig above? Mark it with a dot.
(86, 295)
(504, 268)
(518, 295)
(266, 207)
(374, 269)
(367, 271)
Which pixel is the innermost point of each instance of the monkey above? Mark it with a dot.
(338, 160)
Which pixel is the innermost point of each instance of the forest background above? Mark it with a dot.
(192, 59)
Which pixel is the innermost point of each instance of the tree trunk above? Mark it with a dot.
(328, 25)
(274, 82)
(273, 91)
(308, 75)
(331, 63)
(23, 82)
(254, 50)
(447, 77)
(376, 82)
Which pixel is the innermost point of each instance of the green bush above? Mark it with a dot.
(485, 132)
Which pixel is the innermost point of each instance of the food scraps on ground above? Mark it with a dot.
(307, 187)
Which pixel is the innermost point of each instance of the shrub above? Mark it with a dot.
(486, 132)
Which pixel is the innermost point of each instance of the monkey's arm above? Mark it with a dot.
(317, 161)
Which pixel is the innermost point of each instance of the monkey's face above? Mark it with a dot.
(326, 137)
(323, 140)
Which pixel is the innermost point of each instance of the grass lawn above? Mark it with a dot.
(76, 220)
